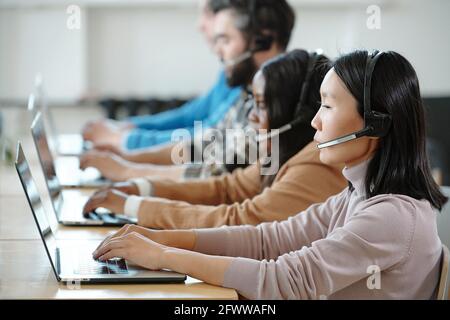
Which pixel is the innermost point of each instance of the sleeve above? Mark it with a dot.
(142, 138)
(209, 108)
(296, 189)
(183, 116)
(271, 239)
(233, 187)
(379, 235)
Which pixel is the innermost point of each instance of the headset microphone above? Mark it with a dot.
(231, 63)
(376, 124)
(300, 113)
(274, 133)
(346, 138)
(261, 44)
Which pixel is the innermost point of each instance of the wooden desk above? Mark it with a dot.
(9, 181)
(26, 273)
(17, 223)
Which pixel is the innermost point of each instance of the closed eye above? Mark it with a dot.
(325, 106)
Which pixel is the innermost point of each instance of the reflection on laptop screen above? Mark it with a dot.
(45, 156)
(30, 189)
(32, 105)
(34, 200)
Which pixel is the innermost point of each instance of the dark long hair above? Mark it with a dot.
(400, 165)
(284, 76)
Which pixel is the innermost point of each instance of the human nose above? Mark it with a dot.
(316, 122)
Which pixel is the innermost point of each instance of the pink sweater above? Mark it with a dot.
(348, 247)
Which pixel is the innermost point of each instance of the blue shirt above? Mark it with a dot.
(210, 109)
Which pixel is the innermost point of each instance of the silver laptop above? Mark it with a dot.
(67, 168)
(71, 260)
(62, 144)
(68, 203)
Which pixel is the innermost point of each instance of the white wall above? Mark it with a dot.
(156, 50)
(36, 40)
(417, 29)
(148, 52)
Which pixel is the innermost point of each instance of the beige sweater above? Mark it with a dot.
(237, 198)
(349, 247)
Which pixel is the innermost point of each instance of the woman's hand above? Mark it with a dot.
(183, 239)
(126, 187)
(109, 164)
(140, 246)
(130, 228)
(133, 247)
(106, 131)
(111, 199)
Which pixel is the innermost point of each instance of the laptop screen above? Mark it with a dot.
(30, 189)
(46, 160)
(32, 107)
(37, 209)
(42, 106)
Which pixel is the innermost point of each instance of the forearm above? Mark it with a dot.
(181, 239)
(166, 214)
(210, 269)
(214, 191)
(192, 191)
(161, 155)
(171, 172)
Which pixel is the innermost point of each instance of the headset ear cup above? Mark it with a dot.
(263, 43)
(380, 123)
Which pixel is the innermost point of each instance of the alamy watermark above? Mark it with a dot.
(73, 284)
(373, 21)
(73, 21)
(230, 146)
(373, 281)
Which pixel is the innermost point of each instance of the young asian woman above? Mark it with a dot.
(382, 225)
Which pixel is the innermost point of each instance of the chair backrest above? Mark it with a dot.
(444, 274)
(443, 219)
(443, 223)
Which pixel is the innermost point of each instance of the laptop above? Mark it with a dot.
(67, 168)
(68, 203)
(62, 144)
(72, 260)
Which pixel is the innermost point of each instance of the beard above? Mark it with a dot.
(242, 73)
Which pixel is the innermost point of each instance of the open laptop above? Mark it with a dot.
(62, 144)
(67, 168)
(68, 203)
(72, 260)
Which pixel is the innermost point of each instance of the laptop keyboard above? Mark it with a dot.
(87, 265)
(109, 218)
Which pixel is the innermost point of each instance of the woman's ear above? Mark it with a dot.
(374, 143)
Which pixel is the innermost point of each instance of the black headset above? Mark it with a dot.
(299, 114)
(261, 42)
(376, 124)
